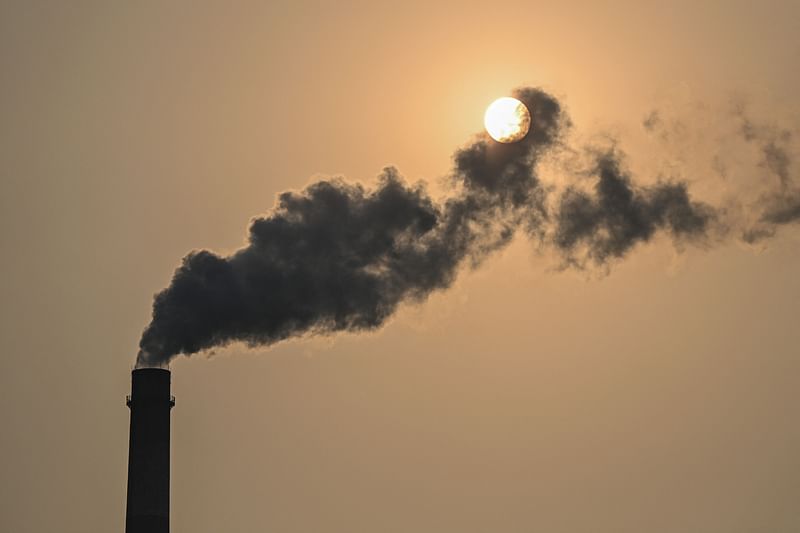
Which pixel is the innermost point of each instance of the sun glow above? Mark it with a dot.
(507, 120)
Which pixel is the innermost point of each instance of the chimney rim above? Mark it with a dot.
(150, 370)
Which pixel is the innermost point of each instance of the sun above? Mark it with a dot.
(507, 120)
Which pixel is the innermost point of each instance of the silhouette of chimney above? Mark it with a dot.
(150, 403)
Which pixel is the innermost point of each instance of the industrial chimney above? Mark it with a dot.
(150, 403)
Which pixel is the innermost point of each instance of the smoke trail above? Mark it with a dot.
(339, 257)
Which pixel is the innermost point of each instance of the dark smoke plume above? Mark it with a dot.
(339, 257)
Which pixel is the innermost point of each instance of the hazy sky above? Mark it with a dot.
(660, 398)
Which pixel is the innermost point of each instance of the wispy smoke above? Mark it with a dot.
(339, 257)
(782, 204)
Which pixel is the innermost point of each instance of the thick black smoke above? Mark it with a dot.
(340, 257)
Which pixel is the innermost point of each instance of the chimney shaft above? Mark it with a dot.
(150, 403)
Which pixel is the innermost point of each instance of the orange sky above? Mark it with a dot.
(658, 398)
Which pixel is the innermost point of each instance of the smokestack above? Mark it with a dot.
(150, 403)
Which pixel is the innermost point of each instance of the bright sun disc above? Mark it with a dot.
(507, 120)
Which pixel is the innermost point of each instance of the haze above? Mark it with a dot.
(661, 397)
